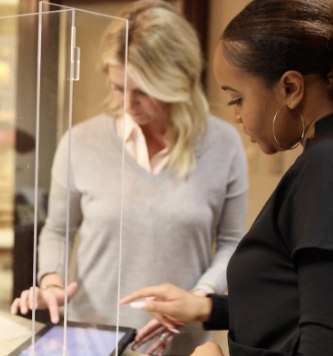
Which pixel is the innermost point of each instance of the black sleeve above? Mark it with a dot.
(315, 277)
(219, 317)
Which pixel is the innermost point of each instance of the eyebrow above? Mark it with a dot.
(228, 88)
(117, 84)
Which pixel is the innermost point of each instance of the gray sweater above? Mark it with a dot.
(161, 230)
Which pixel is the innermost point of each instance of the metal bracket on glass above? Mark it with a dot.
(75, 57)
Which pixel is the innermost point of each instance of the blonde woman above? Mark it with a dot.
(185, 184)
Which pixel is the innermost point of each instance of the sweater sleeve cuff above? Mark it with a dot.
(219, 317)
(208, 289)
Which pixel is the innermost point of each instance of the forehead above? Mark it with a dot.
(230, 76)
(117, 75)
(226, 72)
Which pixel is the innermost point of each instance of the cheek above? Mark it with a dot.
(118, 96)
(257, 120)
(153, 106)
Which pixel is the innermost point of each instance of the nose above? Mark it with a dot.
(131, 100)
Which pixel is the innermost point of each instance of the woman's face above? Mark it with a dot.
(254, 103)
(142, 108)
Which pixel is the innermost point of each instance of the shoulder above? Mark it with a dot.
(89, 130)
(220, 127)
(88, 134)
(92, 126)
(310, 184)
(223, 133)
(310, 178)
(318, 157)
(223, 147)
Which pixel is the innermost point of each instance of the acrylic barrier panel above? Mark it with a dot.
(73, 169)
(95, 180)
(32, 150)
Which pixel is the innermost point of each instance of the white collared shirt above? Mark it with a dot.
(136, 146)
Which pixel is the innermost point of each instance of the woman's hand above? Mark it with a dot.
(50, 298)
(208, 348)
(154, 330)
(170, 304)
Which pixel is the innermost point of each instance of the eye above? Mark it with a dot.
(140, 92)
(117, 88)
(237, 102)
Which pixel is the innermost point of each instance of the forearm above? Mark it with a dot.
(230, 230)
(52, 240)
(214, 280)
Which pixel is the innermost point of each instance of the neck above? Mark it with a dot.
(155, 137)
(317, 104)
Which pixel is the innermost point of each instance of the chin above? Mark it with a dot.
(140, 120)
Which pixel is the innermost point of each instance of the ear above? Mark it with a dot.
(292, 88)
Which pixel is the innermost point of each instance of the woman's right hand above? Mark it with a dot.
(170, 304)
(50, 298)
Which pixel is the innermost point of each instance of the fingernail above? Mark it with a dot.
(138, 305)
(175, 331)
(150, 298)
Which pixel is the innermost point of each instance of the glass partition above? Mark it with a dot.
(59, 108)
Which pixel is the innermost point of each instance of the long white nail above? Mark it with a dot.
(138, 305)
(175, 331)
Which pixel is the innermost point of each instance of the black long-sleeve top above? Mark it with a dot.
(280, 278)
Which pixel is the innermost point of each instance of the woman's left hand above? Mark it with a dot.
(153, 329)
(209, 348)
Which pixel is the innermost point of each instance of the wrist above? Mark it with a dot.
(50, 286)
(51, 280)
(205, 309)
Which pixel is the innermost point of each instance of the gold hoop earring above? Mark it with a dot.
(298, 142)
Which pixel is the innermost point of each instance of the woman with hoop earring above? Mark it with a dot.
(275, 60)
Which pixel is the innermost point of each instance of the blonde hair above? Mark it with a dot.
(164, 59)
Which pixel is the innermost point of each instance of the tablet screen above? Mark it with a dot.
(82, 340)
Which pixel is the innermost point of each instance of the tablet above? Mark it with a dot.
(83, 339)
